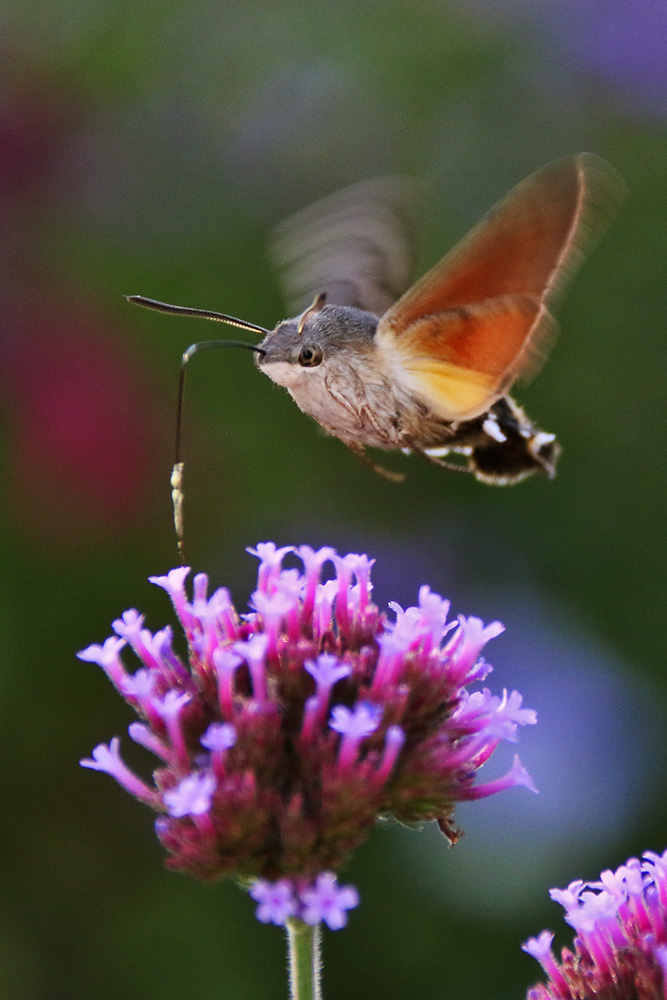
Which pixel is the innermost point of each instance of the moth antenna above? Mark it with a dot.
(178, 469)
(315, 306)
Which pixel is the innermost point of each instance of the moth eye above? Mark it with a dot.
(310, 356)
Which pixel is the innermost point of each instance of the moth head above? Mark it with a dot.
(316, 342)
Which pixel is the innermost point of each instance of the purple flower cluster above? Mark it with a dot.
(293, 728)
(620, 948)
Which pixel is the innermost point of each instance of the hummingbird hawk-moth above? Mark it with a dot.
(431, 372)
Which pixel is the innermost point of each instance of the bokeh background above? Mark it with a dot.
(151, 147)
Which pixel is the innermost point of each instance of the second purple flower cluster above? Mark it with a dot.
(620, 948)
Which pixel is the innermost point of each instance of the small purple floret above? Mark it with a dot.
(277, 901)
(108, 658)
(107, 758)
(327, 902)
(327, 670)
(358, 722)
(219, 736)
(192, 796)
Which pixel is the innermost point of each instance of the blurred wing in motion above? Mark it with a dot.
(357, 246)
(480, 319)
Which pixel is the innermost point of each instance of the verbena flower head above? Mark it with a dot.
(291, 729)
(620, 948)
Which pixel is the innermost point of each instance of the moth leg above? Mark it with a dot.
(362, 412)
(342, 399)
(366, 413)
(434, 460)
(359, 451)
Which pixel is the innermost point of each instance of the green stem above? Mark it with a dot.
(305, 962)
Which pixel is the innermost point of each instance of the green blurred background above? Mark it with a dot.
(151, 147)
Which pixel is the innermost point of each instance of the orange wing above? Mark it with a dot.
(463, 334)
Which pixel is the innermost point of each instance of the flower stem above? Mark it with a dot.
(305, 962)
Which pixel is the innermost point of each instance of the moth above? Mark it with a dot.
(431, 372)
